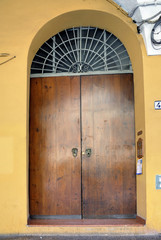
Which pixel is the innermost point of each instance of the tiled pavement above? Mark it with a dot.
(82, 237)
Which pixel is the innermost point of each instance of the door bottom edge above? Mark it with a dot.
(56, 217)
(114, 216)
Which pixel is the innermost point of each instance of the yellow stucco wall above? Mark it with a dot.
(24, 26)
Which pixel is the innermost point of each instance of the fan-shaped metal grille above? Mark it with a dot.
(81, 50)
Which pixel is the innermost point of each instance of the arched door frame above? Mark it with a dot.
(118, 25)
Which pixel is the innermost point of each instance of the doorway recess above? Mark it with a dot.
(77, 51)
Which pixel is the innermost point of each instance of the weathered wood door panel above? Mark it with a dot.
(55, 175)
(102, 113)
(108, 175)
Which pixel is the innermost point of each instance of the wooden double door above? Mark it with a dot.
(82, 147)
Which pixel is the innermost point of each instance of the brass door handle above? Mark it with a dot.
(88, 152)
(75, 152)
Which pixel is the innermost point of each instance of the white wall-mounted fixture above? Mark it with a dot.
(146, 14)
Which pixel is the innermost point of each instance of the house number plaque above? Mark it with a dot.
(140, 148)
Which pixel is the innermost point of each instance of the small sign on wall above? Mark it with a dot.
(140, 148)
(139, 167)
(157, 105)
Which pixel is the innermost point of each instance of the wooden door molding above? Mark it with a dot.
(108, 188)
(108, 176)
(55, 175)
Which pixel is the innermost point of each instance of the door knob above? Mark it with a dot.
(88, 152)
(74, 152)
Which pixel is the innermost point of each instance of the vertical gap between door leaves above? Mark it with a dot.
(81, 148)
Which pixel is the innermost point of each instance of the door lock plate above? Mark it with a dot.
(88, 152)
(75, 152)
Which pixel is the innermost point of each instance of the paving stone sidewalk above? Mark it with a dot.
(82, 237)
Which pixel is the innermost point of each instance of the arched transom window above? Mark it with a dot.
(81, 50)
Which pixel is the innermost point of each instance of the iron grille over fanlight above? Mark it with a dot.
(81, 50)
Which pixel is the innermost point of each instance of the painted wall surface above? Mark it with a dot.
(24, 26)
